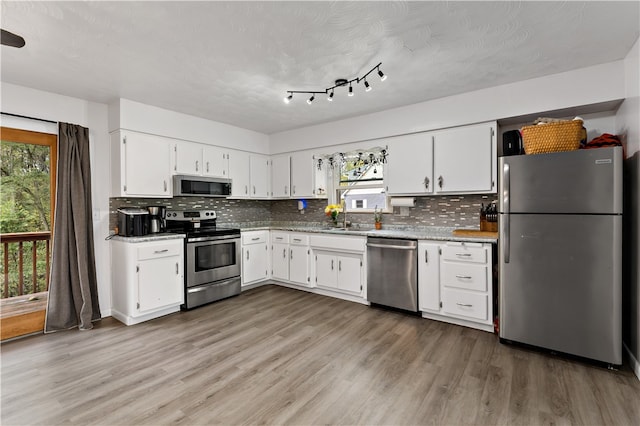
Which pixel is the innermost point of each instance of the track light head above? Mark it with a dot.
(350, 90)
(382, 76)
(330, 98)
(313, 96)
(287, 99)
(367, 85)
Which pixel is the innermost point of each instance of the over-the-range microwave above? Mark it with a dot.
(200, 186)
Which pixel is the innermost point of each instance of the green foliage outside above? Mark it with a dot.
(25, 206)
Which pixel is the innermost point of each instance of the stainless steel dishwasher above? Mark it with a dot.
(392, 273)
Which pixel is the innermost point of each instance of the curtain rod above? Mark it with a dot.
(30, 118)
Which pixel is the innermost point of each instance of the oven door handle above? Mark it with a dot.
(208, 240)
(208, 286)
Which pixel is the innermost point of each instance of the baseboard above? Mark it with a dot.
(633, 362)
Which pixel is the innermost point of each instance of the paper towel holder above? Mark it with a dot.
(403, 201)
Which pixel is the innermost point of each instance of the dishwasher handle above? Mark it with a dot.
(392, 246)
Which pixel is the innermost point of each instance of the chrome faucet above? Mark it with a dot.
(344, 214)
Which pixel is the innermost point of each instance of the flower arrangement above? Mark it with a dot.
(332, 210)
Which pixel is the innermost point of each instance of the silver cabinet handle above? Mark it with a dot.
(196, 165)
(247, 254)
(291, 254)
(426, 182)
(440, 181)
(332, 264)
(286, 189)
(177, 270)
(463, 254)
(284, 253)
(294, 189)
(255, 239)
(246, 189)
(464, 277)
(464, 305)
(426, 256)
(254, 189)
(207, 167)
(161, 251)
(339, 265)
(297, 240)
(165, 186)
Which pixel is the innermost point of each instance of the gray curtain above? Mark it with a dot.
(73, 292)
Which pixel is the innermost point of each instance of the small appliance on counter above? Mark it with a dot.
(157, 219)
(133, 222)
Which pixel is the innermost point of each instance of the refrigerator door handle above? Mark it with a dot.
(506, 211)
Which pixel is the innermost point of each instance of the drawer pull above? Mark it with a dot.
(297, 240)
(464, 277)
(463, 254)
(255, 239)
(465, 305)
(161, 251)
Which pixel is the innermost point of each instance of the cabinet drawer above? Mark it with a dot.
(464, 252)
(299, 240)
(255, 237)
(464, 275)
(160, 250)
(279, 238)
(465, 304)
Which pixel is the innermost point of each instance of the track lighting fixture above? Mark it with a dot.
(341, 82)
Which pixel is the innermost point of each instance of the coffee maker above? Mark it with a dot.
(157, 218)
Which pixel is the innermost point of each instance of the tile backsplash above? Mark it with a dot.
(445, 210)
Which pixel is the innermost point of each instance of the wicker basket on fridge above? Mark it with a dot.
(552, 137)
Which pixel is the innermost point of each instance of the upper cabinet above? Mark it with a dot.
(192, 158)
(306, 180)
(281, 176)
(260, 176)
(140, 165)
(459, 160)
(409, 168)
(239, 174)
(464, 159)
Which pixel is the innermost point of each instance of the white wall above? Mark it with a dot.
(50, 106)
(586, 86)
(130, 115)
(628, 124)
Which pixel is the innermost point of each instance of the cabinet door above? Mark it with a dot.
(239, 173)
(255, 263)
(350, 273)
(465, 159)
(260, 176)
(159, 283)
(215, 162)
(147, 165)
(428, 276)
(303, 174)
(326, 270)
(280, 176)
(299, 264)
(188, 158)
(409, 169)
(280, 261)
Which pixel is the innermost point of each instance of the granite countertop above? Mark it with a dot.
(436, 233)
(149, 237)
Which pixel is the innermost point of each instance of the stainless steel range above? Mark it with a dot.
(212, 256)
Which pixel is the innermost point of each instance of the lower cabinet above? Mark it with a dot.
(339, 263)
(290, 257)
(454, 283)
(255, 256)
(148, 279)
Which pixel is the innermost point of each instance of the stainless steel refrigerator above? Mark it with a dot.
(560, 251)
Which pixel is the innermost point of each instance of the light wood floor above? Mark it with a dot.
(280, 356)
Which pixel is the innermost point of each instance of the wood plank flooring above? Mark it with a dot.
(274, 355)
(22, 315)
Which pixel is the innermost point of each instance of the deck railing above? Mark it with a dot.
(18, 281)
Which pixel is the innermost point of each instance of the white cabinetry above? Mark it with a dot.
(339, 263)
(192, 158)
(464, 293)
(240, 174)
(260, 176)
(410, 166)
(280, 255)
(451, 161)
(147, 279)
(429, 276)
(255, 256)
(281, 176)
(140, 165)
(306, 180)
(290, 257)
(464, 159)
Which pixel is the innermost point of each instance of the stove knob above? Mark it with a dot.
(206, 214)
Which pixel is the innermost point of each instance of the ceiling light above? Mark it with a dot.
(381, 74)
(341, 82)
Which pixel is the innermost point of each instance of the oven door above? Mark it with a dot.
(212, 260)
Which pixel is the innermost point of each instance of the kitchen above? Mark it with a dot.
(607, 90)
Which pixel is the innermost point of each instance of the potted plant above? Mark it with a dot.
(377, 217)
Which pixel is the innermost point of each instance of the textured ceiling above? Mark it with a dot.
(233, 62)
